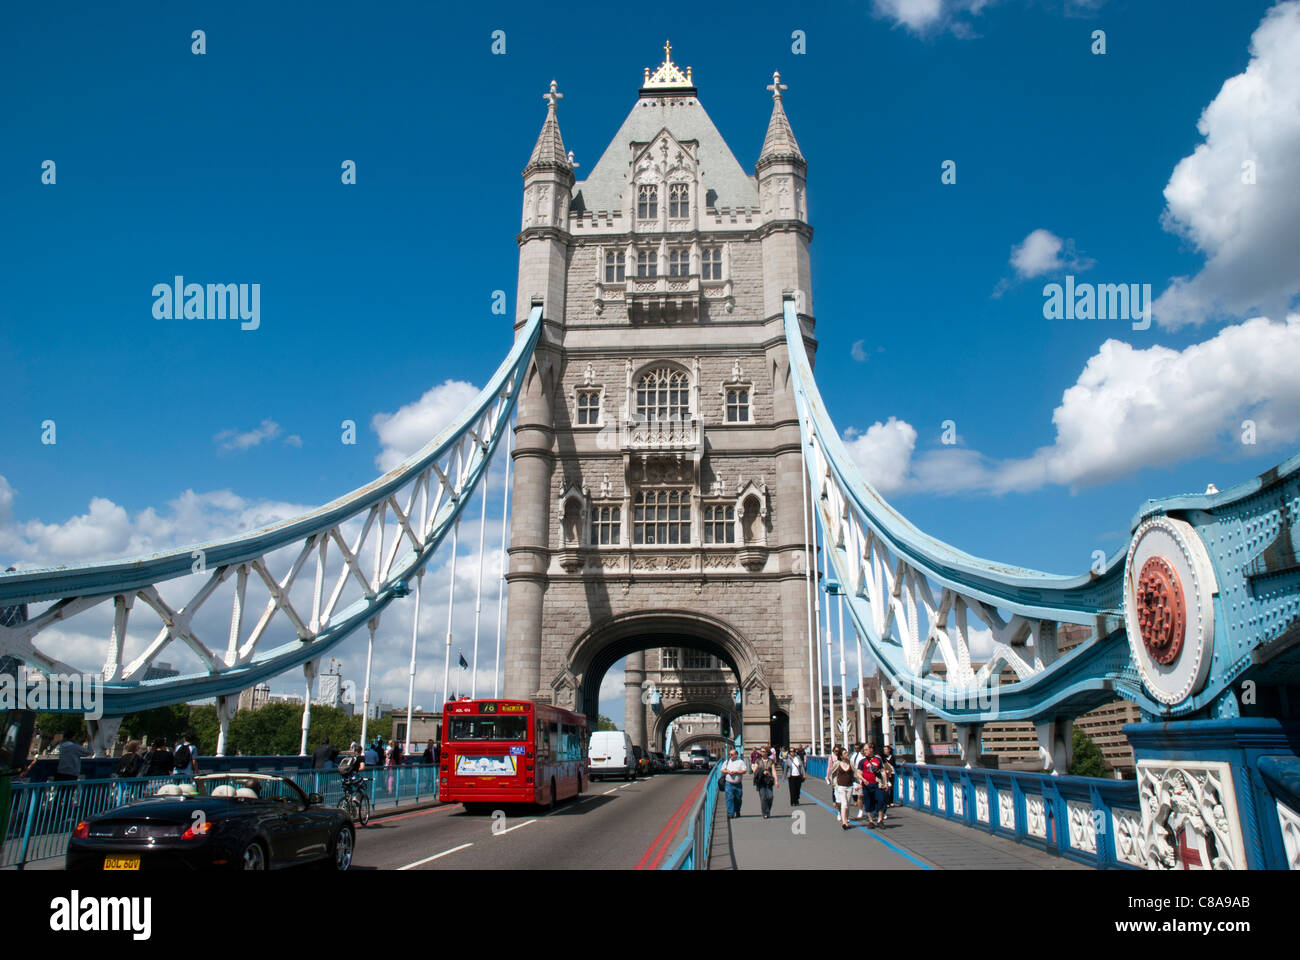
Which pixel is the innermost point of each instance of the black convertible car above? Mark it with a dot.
(235, 821)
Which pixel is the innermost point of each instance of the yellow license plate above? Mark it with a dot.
(121, 863)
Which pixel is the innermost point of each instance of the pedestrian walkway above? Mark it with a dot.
(809, 837)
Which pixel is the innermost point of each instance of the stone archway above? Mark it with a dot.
(590, 657)
(681, 708)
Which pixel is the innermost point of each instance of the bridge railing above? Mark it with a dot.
(693, 852)
(42, 815)
(1087, 819)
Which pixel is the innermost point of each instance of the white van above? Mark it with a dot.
(611, 755)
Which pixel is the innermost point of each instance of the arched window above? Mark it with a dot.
(679, 202)
(647, 202)
(663, 394)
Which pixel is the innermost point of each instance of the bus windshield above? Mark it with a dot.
(489, 728)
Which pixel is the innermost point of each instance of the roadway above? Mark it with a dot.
(613, 826)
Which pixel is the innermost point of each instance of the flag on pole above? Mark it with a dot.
(463, 664)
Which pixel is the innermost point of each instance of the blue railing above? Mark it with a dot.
(43, 815)
(1088, 819)
(693, 852)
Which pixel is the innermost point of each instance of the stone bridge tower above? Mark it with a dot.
(657, 492)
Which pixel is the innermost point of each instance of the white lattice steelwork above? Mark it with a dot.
(914, 598)
(293, 589)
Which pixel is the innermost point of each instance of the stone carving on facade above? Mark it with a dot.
(1127, 827)
(1083, 826)
(1006, 809)
(982, 804)
(715, 561)
(1035, 817)
(663, 562)
(958, 799)
(1189, 816)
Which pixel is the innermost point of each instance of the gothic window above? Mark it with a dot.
(588, 408)
(661, 517)
(719, 523)
(737, 404)
(668, 658)
(663, 394)
(679, 203)
(615, 266)
(606, 524)
(711, 263)
(647, 202)
(698, 660)
(647, 263)
(679, 262)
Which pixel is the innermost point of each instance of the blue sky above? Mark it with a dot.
(225, 167)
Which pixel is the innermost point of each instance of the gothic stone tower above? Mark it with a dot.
(657, 501)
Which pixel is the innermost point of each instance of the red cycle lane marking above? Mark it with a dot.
(669, 830)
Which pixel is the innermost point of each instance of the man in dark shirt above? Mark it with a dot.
(324, 754)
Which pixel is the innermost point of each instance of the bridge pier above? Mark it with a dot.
(103, 733)
(633, 706)
(1056, 744)
(968, 742)
(226, 708)
(921, 744)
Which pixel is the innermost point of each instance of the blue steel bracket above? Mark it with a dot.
(912, 597)
(362, 548)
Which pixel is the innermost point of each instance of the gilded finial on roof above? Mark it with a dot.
(668, 75)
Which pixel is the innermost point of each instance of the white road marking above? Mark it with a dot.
(609, 791)
(502, 833)
(435, 856)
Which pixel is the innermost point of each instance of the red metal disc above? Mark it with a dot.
(1161, 610)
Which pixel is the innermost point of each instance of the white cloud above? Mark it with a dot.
(1249, 233)
(858, 351)
(918, 15)
(412, 426)
(235, 440)
(1129, 409)
(926, 16)
(883, 453)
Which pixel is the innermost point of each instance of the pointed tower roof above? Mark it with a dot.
(779, 144)
(549, 150)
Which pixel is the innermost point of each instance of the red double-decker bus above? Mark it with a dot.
(511, 751)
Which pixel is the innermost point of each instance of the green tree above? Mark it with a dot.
(273, 729)
(604, 723)
(205, 727)
(161, 723)
(1088, 759)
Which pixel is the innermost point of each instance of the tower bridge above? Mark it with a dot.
(676, 482)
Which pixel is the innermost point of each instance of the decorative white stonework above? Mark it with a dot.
(1189, 816)
(1006, 810)
(911, 790)
(1035, 817)
(958, 800)
(1177, 548)
(1127, 826)
(1289, 821)
(982, 804)
(940, 799)
(925, 792)
(1083, 828)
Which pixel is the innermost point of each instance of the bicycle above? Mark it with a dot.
(356, 799)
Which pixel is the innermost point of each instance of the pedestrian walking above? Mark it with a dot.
(324, 755)
(765, 782)
(184, 757)
(390, 764)
(844, 776)
(371, 757)
(70, 756)
(873, 800)
(158, 762)
(891, 768)
(128, 766)
(794, 774)
(855, 760)
(733, 778)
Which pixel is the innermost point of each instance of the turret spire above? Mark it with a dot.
(549, 150)
(779, 144)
